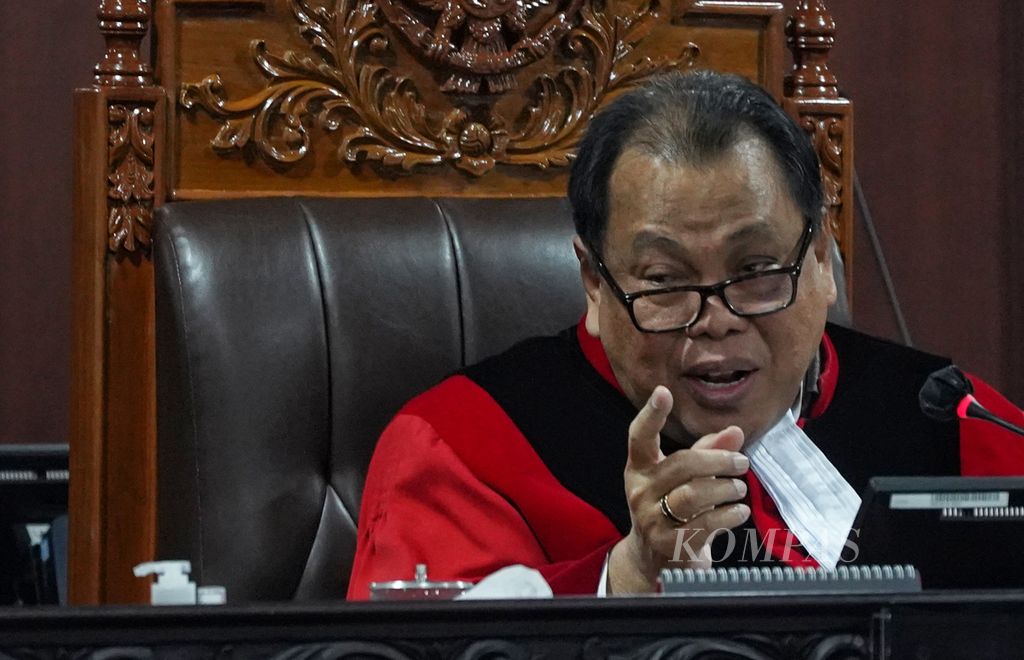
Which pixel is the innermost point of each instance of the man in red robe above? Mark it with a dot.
(699, 214)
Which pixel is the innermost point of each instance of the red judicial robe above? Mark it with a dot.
(519, 459)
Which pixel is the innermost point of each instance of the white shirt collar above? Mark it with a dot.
(816, 502)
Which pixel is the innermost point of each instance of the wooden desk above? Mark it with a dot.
(945, 625)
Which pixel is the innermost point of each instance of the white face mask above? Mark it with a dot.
(817, 503)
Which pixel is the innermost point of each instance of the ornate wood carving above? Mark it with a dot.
(478, 28)
(827, 136)
(813, 96)
(118, 182)
(345, 83)
(123, 24)
(811, 33)
(130, 181)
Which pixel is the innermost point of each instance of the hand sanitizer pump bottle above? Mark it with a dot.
(172, 586)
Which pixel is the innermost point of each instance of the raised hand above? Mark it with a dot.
(699, 498)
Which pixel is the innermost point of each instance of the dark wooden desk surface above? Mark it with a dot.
(937, 625)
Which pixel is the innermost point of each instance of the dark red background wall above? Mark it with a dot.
(46, 49)
(937, 87)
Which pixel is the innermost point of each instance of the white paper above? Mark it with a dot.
(516, 581)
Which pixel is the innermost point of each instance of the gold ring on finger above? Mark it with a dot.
(666, 511)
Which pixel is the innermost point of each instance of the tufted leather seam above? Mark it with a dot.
(327, 338)
(326, 475)
(312, 544)
(455, 246)
(324, 514)
(192, 405)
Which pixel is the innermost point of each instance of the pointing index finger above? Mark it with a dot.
(645, 429)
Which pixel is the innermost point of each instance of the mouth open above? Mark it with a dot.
(722, 379)
(719, 389)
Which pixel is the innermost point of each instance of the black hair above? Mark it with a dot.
(688, 119)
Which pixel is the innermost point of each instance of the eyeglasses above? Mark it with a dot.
(678, 307)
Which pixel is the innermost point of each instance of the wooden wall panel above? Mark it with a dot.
(129, 477)
(87, 460)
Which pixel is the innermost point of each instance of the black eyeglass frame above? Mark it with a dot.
(707, 290)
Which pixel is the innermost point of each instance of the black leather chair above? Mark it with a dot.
(290, 330)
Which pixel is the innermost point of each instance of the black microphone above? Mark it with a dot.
(948, 395)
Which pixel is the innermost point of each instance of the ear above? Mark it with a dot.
(591, 285)
(823, 246)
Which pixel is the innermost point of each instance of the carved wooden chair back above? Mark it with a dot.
(251, 98)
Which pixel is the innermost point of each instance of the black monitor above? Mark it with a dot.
(959, 532)
(33, 482)
(33, 523)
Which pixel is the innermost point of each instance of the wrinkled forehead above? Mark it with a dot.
(740, 195)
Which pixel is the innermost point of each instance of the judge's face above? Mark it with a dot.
(677, 225)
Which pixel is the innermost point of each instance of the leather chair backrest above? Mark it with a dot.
(290, 331)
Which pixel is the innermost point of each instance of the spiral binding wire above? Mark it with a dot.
(775, 580)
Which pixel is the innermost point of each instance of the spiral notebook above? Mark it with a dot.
(779, 581)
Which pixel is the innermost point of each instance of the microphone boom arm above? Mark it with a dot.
(976, 410)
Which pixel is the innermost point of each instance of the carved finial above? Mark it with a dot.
(123, 23)
(810, 33)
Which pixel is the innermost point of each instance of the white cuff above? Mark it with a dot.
(602, 585)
